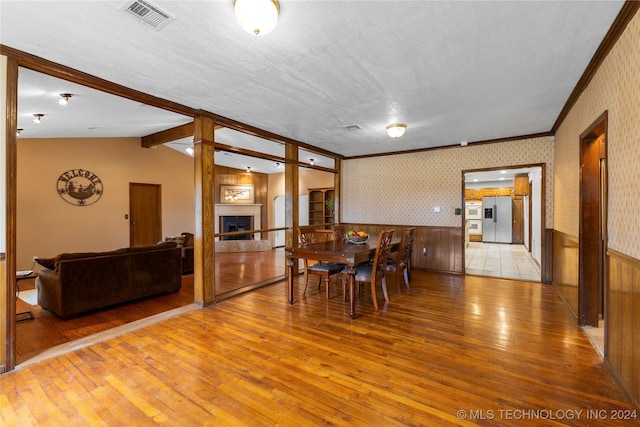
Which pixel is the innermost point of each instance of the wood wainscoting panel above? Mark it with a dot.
(565, 268)
(444, 245)
(622, 347)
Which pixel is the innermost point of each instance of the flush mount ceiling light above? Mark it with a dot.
(64, 98)
(258, 17)
(248, 169)
(37, 118)
(396, 130)
(312, 161)
(18, 131)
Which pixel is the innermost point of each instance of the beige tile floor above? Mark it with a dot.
(501, 260)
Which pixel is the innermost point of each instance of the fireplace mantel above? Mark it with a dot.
(227, 209)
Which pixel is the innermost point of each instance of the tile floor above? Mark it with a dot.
(501, 260)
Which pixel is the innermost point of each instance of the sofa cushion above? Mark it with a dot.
(49, 263)
(81, 255)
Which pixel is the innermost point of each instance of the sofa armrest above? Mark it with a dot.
(49, 286)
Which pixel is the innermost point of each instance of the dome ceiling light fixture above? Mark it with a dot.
(257, 17)
(396, 130)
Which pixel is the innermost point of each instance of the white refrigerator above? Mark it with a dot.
(496, 219)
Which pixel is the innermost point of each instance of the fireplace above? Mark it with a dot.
(252, 211)
(232, 223)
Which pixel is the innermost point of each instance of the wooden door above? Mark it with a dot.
(145, 214)
(517, 236)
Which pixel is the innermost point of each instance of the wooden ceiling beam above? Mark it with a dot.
(168, 135)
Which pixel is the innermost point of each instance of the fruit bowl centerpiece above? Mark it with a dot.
(356, 237)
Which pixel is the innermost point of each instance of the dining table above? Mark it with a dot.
(341, 251)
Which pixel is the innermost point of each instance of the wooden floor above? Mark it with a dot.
(454, 351)
(234, 271)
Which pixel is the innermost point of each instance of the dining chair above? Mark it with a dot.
(324, 269)
(371, 272)
(339, 231)
(401, 264)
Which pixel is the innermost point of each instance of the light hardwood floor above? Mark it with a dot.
(455, 350)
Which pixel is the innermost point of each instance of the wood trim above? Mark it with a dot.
(54, 69)
(260, 133)
(11, 212)
(168, 135)
(626, 14)
(444, 147)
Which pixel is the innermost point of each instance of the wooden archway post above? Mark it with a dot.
(204, 241)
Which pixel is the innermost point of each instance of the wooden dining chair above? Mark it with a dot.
(371, 272)
(401, 264)
(339, 231)
(323, 269)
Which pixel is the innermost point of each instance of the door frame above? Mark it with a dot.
(543, 192)
(592, 229)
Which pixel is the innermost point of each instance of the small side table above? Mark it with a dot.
(24, 275)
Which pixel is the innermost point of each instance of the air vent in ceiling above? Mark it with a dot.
(148, 13)
(352, 127)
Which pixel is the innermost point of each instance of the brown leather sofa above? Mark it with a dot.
(75, 283)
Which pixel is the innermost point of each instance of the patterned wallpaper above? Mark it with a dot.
(404, 188)
(616, 88)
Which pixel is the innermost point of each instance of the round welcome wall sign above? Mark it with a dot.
(79, 187)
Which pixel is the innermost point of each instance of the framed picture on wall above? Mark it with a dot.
(237, 193)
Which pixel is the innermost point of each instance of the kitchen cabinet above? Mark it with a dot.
(521, 185)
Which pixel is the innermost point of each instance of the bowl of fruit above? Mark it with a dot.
(357, 237)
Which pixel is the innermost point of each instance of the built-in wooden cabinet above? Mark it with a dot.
(321, 206)
(473, 194)
(521, 185)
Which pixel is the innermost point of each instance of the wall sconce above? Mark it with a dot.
(396, 130)
(37, 118)
(64, 98)
(257, 17)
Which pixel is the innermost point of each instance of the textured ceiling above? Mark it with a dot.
(452, 71)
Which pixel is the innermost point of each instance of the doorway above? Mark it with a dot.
(145, 214)
(518, 253)
(593, 221)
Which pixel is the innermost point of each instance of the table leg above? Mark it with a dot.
(352, 292)
(290, 263)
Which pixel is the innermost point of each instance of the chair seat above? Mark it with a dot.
(363, 272)
(331, 267)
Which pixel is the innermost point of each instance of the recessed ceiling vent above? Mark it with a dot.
(352, 127)
(148, 13)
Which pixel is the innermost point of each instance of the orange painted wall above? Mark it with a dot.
(47, 225)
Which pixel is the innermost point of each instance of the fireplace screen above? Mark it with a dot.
(233, 223)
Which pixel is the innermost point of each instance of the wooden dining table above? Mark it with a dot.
(340, 251)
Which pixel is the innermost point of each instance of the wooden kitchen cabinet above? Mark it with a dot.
(521, 185)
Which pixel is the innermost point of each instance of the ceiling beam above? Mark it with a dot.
(169, 135)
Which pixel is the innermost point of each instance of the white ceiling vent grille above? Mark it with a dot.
(148, 13)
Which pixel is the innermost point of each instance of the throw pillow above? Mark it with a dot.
(188, 239)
